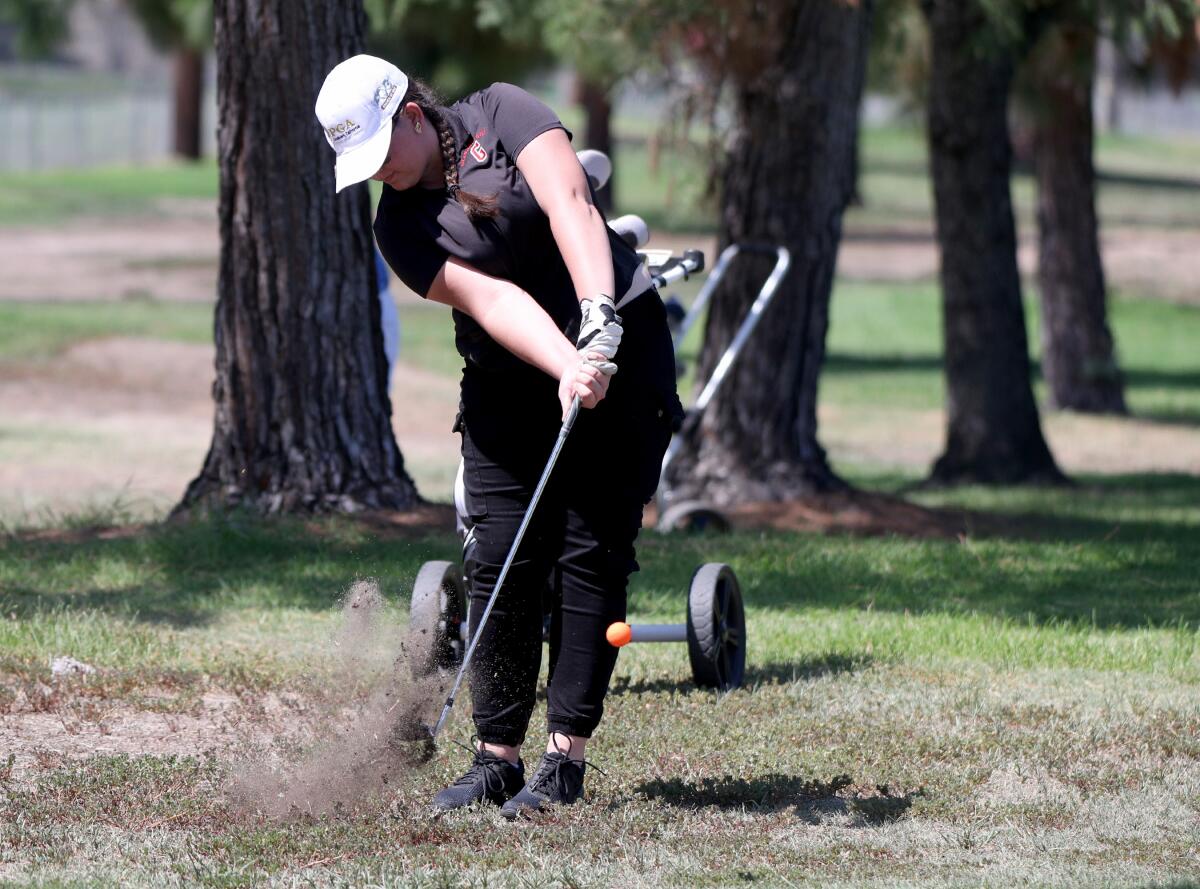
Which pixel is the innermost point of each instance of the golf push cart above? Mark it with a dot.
(715, 628)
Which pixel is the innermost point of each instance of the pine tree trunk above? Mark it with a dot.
(189, 97)
(994, 433)
(302, 410)
(1078, 358)
(787, 180)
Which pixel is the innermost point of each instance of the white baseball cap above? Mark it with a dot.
(355, 108)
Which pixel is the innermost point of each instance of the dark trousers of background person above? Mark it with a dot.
(578, 552)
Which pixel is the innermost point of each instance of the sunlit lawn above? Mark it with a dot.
(1017, 705)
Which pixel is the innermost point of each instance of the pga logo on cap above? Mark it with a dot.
(343, 130)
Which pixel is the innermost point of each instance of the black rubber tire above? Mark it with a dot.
(435, 619)
(693, 516)
(716, 628)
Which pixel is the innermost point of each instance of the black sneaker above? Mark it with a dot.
(490, 778)
(557, 781)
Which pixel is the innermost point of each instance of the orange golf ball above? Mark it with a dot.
(618, 634)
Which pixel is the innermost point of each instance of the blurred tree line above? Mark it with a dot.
(784, 169)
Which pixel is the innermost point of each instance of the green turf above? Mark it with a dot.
(1031, 685)
(671, 193)
(1013, 706)
(44, 198)
(39, 330)
(1155, 343)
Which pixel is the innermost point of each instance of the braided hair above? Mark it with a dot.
(476, 206)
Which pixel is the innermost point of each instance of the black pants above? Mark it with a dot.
(578, 550)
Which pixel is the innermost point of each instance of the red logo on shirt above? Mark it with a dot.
(476, 150)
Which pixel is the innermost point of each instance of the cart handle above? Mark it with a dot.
(783, 261)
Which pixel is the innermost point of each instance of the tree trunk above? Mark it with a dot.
(787, 180)
(189, 98)
(597, 108)
(1078, 359)
(302, 409)
(994, 434)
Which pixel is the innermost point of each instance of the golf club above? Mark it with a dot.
(567, 423)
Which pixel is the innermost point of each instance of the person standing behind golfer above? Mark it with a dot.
(486, 209)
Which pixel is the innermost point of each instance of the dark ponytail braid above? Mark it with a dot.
(477, 206)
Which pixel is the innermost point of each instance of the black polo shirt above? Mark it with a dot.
(418, 229)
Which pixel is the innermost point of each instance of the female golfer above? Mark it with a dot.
(486, 209)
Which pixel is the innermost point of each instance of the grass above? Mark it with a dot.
(41, 330)
(1155, 341)
(1015, 706)
(670, 192)
(46, 198)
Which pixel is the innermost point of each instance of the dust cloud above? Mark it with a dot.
(362, 759)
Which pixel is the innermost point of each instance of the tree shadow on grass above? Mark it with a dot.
(187, 574)
(1110, 552)
(804, 669)
(1138, 380)
(757, 675)
(1043, 558)
(811, 799)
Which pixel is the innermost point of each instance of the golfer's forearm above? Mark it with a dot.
(515, 321)
(582, 239)
(561, 189)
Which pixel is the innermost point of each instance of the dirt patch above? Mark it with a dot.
(349, 739)
(856, 512)
(913, 439)
(1017, 784)
(125, 420)
(222, 723)
(174, 256)
(171, 258)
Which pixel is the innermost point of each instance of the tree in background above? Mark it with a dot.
(1054, 47)
(450, 45)
(184, 29)
(793, 73)
(181, 27)
(464, 45)
(302, 413)
(994, 434)
(40, 25)
(1079, 359)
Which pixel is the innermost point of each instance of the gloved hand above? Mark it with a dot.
(600, 333)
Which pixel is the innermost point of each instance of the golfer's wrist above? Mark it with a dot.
(566, 358)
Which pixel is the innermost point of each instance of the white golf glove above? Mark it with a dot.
(599, 332)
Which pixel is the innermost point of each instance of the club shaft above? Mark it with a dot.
(568, 422)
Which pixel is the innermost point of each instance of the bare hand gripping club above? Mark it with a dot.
(568, 422)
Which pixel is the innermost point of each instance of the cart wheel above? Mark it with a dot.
(716, 628)
(435, 619)
(693, 515)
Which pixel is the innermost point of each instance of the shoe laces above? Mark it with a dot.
(484, 764)
(551, 766)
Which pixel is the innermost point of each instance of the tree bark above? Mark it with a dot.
(787, 180)
(302, 409)
(189, 100)
(1078, 358)
(597, 108)
(994, 433)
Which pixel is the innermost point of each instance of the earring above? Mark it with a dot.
(417, 126)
